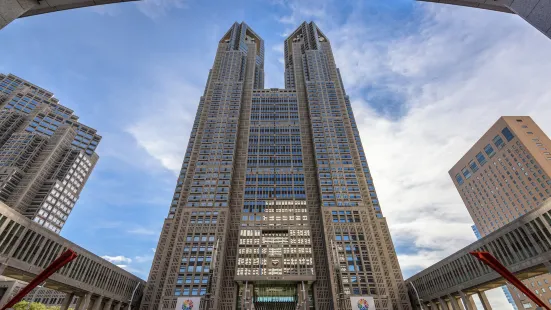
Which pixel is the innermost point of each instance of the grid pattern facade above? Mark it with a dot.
(284, 175)
(27, 248)
(46, 155)
(522, 246)
(505, 175)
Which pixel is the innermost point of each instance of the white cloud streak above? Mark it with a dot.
(143, 231)
(117, 260)
(165, 120)
(138, 265)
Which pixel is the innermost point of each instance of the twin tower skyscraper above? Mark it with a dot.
(275, 207)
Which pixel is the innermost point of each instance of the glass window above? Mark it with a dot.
(498, 142)
(459, 179)
(473, 166)
(489, 150)
(481, 159)
(466, 173)
(507, 134)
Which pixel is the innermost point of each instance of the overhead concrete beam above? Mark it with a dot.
(12, 9)
(535, 12)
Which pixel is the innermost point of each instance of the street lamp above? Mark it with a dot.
(417, 294)
(132, 298)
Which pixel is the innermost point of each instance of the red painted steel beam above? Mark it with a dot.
(61, 261)
(493, 263)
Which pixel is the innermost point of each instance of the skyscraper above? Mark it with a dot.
(503, 176)
(46, 155)
(275, 207)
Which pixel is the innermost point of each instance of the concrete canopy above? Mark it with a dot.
(481, 4)
(48, 6)
(535, 12)
(12, 9)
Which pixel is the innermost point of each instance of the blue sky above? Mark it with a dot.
(426, 81)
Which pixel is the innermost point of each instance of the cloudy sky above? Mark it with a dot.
(425, 80)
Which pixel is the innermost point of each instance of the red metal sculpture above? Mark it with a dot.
(493, 263)
(61, 261)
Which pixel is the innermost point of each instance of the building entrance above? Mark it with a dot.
(275, 296)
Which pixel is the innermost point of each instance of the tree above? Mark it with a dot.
(22, 305)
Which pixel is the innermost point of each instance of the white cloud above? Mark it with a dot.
(117, 260)
(158, 8)
(143, 231)
(165, 117)
(139, 265)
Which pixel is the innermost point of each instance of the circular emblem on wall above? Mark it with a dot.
(187, 305)
(362, 304)
(275, 262)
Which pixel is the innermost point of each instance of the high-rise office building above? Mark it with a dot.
(504, 175)
(46, 155)
(275, 206)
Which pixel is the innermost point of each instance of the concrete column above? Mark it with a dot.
(247, 298)
(8, 293)
(83, 302)
(537, 13)
(433, 305)
(303, 301)
(467, 301)
(12, 9)
(453, 302)
(108, 304)
(67, 301)
(443, 304)
(117, 306)
(97, 303)
(484, 300)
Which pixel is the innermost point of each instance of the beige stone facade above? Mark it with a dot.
(275, 206)
(506, 174)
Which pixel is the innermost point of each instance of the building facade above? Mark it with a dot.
(46, 155)
(275, 207)
(504, 175)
